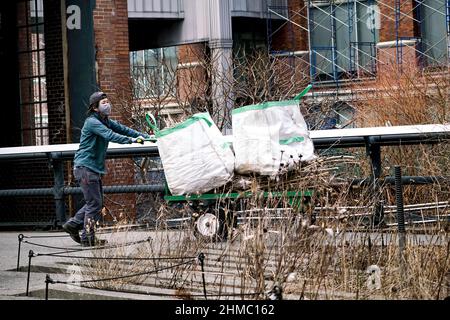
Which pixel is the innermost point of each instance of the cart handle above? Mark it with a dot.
(305, 91)
(152, 122)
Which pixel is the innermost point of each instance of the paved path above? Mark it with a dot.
(224, 264)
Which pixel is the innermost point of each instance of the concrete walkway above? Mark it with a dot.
(221, 264)
(13, 283)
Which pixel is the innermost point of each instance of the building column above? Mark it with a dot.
(78, 25)
(221, 43)
(110, 20)
(112, 55)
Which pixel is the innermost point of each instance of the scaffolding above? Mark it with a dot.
(343, 35)
(281, 12)
(447, 19)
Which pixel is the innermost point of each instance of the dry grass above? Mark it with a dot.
(325, 260)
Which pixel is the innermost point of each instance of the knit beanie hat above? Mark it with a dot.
(96, 97)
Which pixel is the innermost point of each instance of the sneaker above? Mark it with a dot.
(72, 231)
(93, 243)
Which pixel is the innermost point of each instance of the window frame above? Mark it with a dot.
(33, 102)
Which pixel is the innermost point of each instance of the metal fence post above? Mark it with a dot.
(30, 255)
(47, 281)
(400, 217)
(20, 237)
(58, 188)
(201, 257)
(373, 150)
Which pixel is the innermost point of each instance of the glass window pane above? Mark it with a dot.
(342, 37)
(151, 58)
(170, 57)
(32, 12)
(40, 115)
(36, 89)
(35, 63)
(40, 30)
(43, 89)
(36, 13)
(139, 60)
(434, 33)
(42, 62)
(156, 75)
(35, 43)
(321, 40)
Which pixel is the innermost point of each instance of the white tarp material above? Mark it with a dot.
(195, 156)
(269, 136)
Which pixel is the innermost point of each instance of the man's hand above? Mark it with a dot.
(139, 139)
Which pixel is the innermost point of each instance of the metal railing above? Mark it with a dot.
(56, 155)
(370, 138)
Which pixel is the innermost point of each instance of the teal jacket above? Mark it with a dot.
(95, 136)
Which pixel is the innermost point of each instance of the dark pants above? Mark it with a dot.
(86, 218)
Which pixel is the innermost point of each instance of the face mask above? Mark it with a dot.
(105, 109)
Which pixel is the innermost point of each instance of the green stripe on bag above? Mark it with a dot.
(270, 104)
(291, 140)
(185, 124)
(265, 105)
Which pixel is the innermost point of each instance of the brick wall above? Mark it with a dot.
(191, 78)
(406, 28)
(406, 24)
(388, 57)
(26, 174)
(112, 56)
(191, 52)
(291, 37)
(112, 50)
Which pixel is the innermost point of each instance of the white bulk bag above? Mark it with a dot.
(195, 156)
(296, 144)
(269, 136)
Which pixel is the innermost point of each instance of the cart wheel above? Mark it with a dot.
(210, 227)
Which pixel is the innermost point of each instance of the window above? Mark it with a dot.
(248, 44)
(153, 72)
(248, 41)
(32, 81)
(433, 17)
(343, 38)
